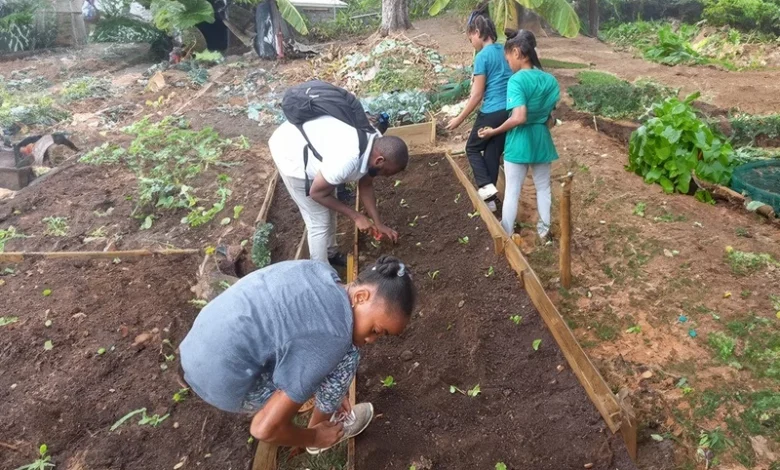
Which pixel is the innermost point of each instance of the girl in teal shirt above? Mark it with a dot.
(531, 96)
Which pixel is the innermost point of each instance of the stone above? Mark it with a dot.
(407, 355)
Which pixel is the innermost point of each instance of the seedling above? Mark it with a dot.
(536, 344)
(375, 243)
(432, 164)
(516, 319)
(209, 250)
(169, 357)
(237, 211)
(433, 275)
(413, 223)
(454, 389)
(46, 292)
(657, 437)
(43, 461)
(48, 345)
(148, 221)
(224, 285)
(474, 392)
(490, 272)
(634, 329)
(473, 214)
(56, 226)
(181, 395)
(463, 240)
(101, 351)
(99, 232)
(389, 381)
(404, 203)
(153, 420)
(640, 208)
(198, 302)
(224, 221)
(457, 198)
(500, 466)
(8, 320)
(397, 183)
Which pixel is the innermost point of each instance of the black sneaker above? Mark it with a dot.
(338, 260)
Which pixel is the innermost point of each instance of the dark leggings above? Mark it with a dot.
(485, 154)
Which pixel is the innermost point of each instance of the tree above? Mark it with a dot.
(395, 16)
(593, 17)
(557, 13)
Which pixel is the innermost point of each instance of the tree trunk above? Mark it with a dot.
(593, 17)
(395, 16)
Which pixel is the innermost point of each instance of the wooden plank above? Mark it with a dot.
(565, 215)
(415, 135)
(265, 456)
(302, 252)
(591, 380)
(19, 256)
(352, 273)
(262, 215)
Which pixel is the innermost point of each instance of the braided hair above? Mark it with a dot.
(393, 281)
(484, 26)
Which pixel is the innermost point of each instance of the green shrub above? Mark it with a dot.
(761, 15)
(607, 95)
(747, 127)
(673, 49)
(669, 146)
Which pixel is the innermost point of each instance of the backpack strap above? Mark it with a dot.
(306, 149)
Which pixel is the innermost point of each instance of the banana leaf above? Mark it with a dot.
(292, 16)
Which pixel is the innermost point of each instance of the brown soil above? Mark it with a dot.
(528, 415)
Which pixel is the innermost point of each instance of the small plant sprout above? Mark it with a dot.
(432, 164)
(454, 389)
(181, 395)
(237, 211)
(101, 351)
(490, 272)
(225, 221)
(224, 285)
(153, 420)
(209, 250)
(404, 203)
(198, 302)
(457, 198)
(536, 344)
(500, 466)
(8, 320)
(516, 319)
(634, 329)
(375, 243)
(43, 461)
(473, 214)
(640, 208)
(657, 437)
(463, 240)
(433, 274)
(397, 183)
(48, 345)
(389, 381)
(46, 292)
(56, 226)
(474, 392)
(413, 223)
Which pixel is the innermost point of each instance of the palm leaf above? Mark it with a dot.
(438, 6)
(557, 13)
(291, 15)
(179, 15)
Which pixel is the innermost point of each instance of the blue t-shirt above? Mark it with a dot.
(291, 320)
(491, 63)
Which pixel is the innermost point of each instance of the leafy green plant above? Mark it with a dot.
(500, 466)
(516, 319)
(261, 252)
(490, 272)
(673, 49)
(9, 234)
(209, 57)
(86, 87)
(237, 210)
(56, 226)
(536, 344)
(474, 392)
(634, 329)
(8, 320)
(669, 146)
(463, 240)
(639, 209)
(745, 262)
(389, 382)
(101, 351)
(748, 15)
(48, 345)
(722, 344)
(42, 463)
(174, 16)
(46, 292)
(714, 440)
(153, 420)
(746, 127)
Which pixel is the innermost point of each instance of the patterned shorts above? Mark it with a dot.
(327, 398)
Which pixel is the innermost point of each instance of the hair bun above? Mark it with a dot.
(510, 33)
(389, 266)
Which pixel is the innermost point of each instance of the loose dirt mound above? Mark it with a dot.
(528, 415)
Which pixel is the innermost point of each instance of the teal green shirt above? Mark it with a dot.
(491, 63)
(531, 142)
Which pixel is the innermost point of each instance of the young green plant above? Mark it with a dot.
(42, 463)
(389, 382)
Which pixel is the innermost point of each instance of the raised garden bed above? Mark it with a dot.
(530, 413)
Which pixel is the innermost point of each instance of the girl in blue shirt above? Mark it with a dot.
(491, 74)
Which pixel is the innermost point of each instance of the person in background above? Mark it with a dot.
(531, 96)
(491, 73)
(338, 144)
(289, 332)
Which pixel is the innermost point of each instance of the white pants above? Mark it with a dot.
(515, 175)
(320, 221)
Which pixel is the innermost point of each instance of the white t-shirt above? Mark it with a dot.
(336, 141)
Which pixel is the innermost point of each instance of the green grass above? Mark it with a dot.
(560, 64)
(86, 87)
(752, 343)
(744, 262)
(607, 95)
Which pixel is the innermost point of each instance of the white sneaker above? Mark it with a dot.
(354, 423)
(492, 206)
(487, 191)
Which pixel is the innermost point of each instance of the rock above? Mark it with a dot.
(461, 303)
(560, 368)
(142, 339)
(507, 392)
(407, 355)
(588, 465)
(176, 425)
(6, 194)
(646, 374)
(13, 386)
(762, 448)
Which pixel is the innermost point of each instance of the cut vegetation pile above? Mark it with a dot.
(607, 95)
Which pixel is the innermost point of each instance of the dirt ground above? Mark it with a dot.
(462, 335)
(623, 279)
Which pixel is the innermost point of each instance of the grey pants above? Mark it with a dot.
(320, 221)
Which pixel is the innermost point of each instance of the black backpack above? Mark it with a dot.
(310, 100)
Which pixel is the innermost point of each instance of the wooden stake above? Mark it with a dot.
(265, 456)
(303, 246)
(352, 273)
(19, 256)
(262, 216)
(565, 255)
